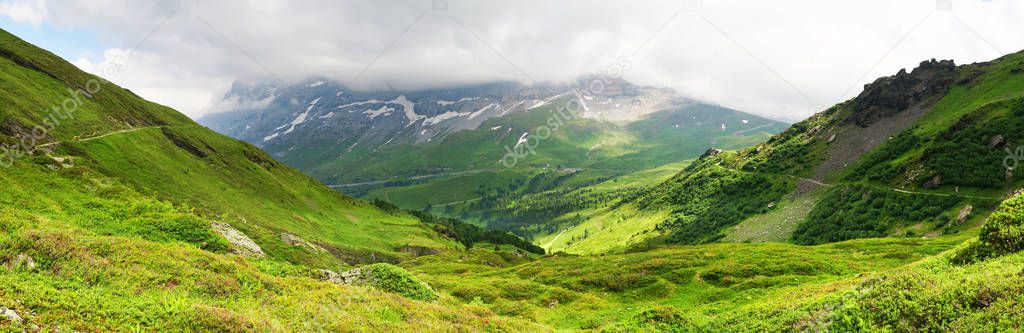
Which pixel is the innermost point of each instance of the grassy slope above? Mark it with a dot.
(108, 258)
(949, 140)
(868, 285)
(736, 287)
(169, 157)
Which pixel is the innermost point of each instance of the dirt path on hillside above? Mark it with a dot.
(553, 240)
(97, 137)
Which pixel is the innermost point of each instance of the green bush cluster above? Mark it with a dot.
(1003, 233)
(963, 156)
(877, 166)
(711, 198)
(397, 280)
(463, 232)
(851, 212)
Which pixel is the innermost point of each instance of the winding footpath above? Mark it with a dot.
(136, 129)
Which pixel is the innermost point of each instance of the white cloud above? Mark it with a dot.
(784, 59)
(24, 11)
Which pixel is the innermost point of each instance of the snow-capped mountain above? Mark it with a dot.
(279, 118)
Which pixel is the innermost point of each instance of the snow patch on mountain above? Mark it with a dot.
(409, 107)
(302, 117)
(464, 99)
(316, 84)
(383, 111)
(372, 101)
(482, 110)
(442, 117)
(522, 139)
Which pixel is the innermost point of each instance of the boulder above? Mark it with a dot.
(243, 244)
(996, 142)
(9, 315)
(964, 214)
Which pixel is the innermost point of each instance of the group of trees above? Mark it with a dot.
(861, 212)
(463, 232)
(711, 198)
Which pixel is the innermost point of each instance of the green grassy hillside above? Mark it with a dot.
(162, 154)
(115, 224)
(919, 153)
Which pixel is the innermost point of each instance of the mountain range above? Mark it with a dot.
(898, 210)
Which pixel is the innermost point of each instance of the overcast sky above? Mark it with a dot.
(781, 59)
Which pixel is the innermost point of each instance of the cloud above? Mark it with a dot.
(31, 12)
(782, 59)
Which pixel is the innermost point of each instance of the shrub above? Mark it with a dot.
(1004, 230)
(1003, 233)
(659, 319)
(394, 279)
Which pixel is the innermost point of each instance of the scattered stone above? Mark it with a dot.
(352, 276)
(243, 244)
(9, 315)
(385, 277)
(831, 138)
(996, 142)
(24, 260)
(294, 240)
(964, 214)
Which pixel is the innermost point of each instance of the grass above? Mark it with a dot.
(776, 225)
(120, 240)
(713, 286)
(168, 158)
(88, 282)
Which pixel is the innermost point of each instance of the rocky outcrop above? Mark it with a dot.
(294, 240)
(964, 214)
(890, 95)
(418, 251)
(385, 277)
(9, 315)
(243, 245)
(352, 276)
(711, 152)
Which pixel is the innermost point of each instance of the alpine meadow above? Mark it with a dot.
(461, 166)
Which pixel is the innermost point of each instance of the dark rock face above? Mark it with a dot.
(934, 183)
(710, 152)
(889, 95)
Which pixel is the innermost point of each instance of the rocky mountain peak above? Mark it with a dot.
(889, 95)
